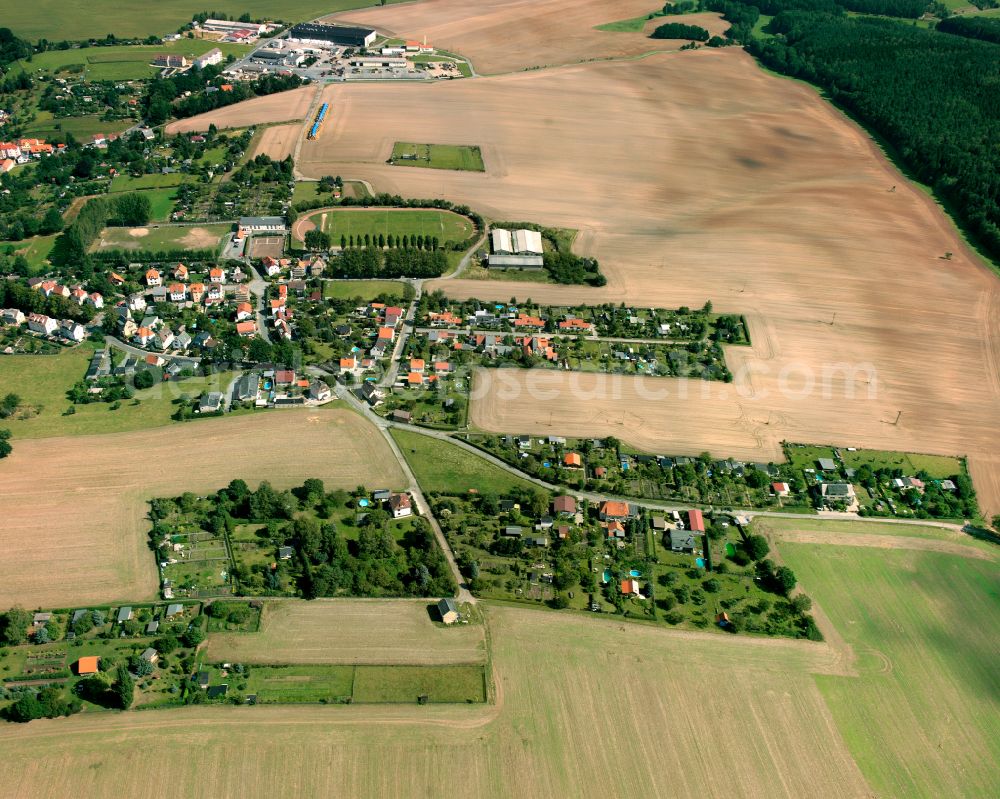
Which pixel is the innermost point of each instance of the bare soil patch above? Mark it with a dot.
(277, 142)
(500, 36)
(281, 107)
(389, 631)
(263, 246)
(707, 178)
(74, 522)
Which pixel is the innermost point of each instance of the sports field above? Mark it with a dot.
(921, 719)
(75, 526)
(346, 631)
(172, 237)
(460, 157)
(446, 225)
(365, 290)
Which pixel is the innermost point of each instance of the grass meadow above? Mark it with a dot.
(178, 237)
(447, 469)
(461, 157)
(36, 249)
(41, 381)
(366, 290)
(921, 719)
(463, 682)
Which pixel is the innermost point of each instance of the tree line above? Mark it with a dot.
(678, 30)
(986, 29)
(933, 101)
(368, 262)
(161, 100)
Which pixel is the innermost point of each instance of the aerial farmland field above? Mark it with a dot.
(76, 519)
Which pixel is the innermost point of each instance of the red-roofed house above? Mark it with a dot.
(696, 522)
(630, 587)
(246, 329)
(572, 460)
(153, 278)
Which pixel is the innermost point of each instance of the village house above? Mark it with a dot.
(400, 505)
(564, 506)
(180, 272)
(177, 292)
(153, 278)
(12, 316)
(39, 323)
(682, 541)
(610, 510)
(448, 610)
(197, 291)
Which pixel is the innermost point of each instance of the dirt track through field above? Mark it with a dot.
(280, 107)
(695, 176)
(74, 509)
(504, 36)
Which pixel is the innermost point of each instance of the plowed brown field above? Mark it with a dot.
(585, 708)
(277, 142)
(504, 36)
(279, 107)
(695, 176)
(74, 528)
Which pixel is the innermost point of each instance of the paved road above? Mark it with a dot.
(258, 287)
(464, 595)
(466, 259)
(117, 343)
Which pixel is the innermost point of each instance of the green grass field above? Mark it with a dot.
(454, 683)
(447, 226)
(939, 466)
(633, 25)
(366, 290)
(161, 202)
(35, 249)
(460, 157)
(42, 381)
(921, 719)
(82, 127)
(156, 181)
(174, 237)
(78, 19)
(445, 468)
(121, 62)
(300, 683)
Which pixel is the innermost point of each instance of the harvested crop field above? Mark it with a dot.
(693, 136)
(277, 142)
(501, 36)
(75, 528)
(280, 107)
(560, 726)
(348, 631)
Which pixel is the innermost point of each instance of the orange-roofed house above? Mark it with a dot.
(144, 335)
(573, 460)
(246, 329)
(615, 530)
(696, 521)
(576, 324)
(197, 291)
(386, 333)
(177, 292)
(417, 365)
(244, 310)
(443, 367)
(611, 510)
(116, 279)
(180, 272)
(630, 587)
(88, 665)
(216, 275)
(523, 320)
(348, 364)
(7, 164)
(153, 278)
(415, 379)
(226, 87)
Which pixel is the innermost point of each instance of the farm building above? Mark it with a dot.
(521, 249)
(335, 34)
(448, 610)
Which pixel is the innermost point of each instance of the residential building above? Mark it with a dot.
(400, 505)
(448, 610)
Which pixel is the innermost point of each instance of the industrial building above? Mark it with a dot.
(335, 34)
(520, 249)
(379, 62)
(213, 56)
(225, 26)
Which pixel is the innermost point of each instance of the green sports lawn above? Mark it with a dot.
(447, 469)
(921, 720)
(446, 225)
(460, 157)
(364, 290)
(174, 237)
(77, 19)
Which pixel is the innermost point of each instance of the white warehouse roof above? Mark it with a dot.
(527, 242)
(502, 241)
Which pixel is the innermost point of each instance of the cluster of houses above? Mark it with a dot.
(422, 374)
(503, 317)
(495, 345)
(46, 326)
(22, 151)
(298, 269)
